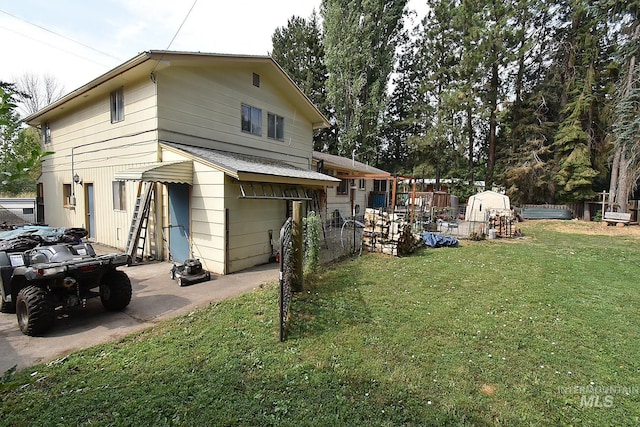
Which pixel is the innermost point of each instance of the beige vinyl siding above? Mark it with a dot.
(207, 213)
(100, 149)
(202, 106)
(343, 202)
(249, 223)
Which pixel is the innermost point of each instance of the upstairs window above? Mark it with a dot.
(275, 127)
(117, 105)
(46, 133)
(251, 119)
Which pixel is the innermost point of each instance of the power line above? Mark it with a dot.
(183, 21)
(53, 46)
(176, 34)
(59, 35)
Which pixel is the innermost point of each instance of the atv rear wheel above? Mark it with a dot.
(35, 310)
(115, 290)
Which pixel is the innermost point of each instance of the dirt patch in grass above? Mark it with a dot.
(592, 228)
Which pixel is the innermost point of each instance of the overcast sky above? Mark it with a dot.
(76, 41)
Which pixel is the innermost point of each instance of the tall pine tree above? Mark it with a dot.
(625, 168)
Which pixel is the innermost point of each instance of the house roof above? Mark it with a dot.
(344, 164)
(252, 168)
(146, 64)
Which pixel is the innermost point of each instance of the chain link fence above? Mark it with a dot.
(287, 270)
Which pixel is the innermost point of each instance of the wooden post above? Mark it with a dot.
(296, 234)
(413, 201)
(393, 195)
(604, 196)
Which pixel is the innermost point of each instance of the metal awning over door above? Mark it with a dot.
(180, 172)
(271, 191)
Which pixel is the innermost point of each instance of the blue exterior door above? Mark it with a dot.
(90, 220)
(179, 222)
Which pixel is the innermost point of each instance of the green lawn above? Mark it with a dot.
(536, 331)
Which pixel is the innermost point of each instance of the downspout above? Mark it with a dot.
(73, 183)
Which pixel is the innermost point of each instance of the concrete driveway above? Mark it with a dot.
(155, 297)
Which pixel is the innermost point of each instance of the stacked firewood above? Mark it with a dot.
(504, 223)
(388, 234)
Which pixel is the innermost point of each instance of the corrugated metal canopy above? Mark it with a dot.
(166, 172)
(269, 191)
(254, 169)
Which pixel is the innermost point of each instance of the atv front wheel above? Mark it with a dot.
(35, 310)
(115, 290)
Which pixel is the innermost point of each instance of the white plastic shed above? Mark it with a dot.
(480, 203)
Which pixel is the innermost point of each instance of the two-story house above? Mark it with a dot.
(224, 140)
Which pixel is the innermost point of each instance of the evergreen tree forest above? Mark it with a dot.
(539, 98)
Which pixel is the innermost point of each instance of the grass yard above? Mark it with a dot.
(536, 331)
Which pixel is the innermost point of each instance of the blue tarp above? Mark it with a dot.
(434, 240)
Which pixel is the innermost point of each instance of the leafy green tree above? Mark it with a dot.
(360, 38)
(400, 121)
(298, 49)
(429, 68)
(20, 150)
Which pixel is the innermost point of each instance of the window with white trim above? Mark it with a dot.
(46, 133)
(251, 120)
(275, 126)
(117, 105)
(119, 195)
(67, 195)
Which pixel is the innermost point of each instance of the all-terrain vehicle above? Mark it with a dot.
(43, 270)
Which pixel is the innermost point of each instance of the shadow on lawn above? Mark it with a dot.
(330, 303)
